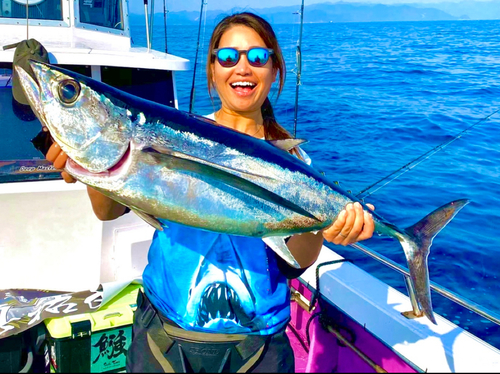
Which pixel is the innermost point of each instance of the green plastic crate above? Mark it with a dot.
(94, 342)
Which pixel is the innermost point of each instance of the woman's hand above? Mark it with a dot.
(352, 225)
(58, 157)
(104, 207)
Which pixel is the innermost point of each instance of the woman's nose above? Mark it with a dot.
(243, 67)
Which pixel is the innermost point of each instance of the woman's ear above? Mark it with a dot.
(212, 67)
(275, 74)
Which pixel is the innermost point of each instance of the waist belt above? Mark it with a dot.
(182, 351)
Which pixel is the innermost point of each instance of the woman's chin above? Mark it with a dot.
(245, 106)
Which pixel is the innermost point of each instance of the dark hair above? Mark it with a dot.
(272, 129)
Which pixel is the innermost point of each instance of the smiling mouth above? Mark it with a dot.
(243, 87)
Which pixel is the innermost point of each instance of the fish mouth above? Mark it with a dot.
(32, 91)
(116, 170)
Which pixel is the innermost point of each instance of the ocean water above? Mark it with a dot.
(376, 96)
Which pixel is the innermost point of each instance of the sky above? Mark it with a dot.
(137, 6)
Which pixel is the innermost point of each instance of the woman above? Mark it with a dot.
(217, 302)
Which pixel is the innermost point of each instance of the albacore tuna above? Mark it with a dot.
(167, 164)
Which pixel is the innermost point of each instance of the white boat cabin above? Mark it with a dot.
(50, 236)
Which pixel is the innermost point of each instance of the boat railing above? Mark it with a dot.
(450, 295)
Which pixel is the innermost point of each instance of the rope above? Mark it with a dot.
(317, 292)
(324, 319)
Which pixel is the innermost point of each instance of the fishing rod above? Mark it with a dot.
(191, 99)
(152, 20)
(27, 19)
(410, 165)
(165, 11)
(147, 26)
(298, 55)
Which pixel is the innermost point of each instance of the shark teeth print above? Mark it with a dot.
(219, 301)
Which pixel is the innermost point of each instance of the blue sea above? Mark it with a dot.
(373, 98)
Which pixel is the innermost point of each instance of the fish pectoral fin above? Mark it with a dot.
(278, 245)
(220, 173)
(185, 156)
(287, 144)
(149, 219)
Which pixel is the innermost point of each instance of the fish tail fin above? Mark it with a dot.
(416, 244)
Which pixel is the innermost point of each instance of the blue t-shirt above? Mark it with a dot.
(210, 282)
(205, 281)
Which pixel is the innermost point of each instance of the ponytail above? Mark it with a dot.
(272, 129)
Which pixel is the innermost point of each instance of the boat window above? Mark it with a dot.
(105, 13)
(37, 9)
(154, 85)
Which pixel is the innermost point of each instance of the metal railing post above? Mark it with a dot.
(414, 303)
(450, 295)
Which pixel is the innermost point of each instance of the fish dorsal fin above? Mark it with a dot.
(278, 245)
(209, 171)
(287, 144)
(149, 219)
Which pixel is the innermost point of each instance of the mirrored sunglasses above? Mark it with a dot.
(229, 57)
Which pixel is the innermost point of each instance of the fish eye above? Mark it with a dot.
(69, 90)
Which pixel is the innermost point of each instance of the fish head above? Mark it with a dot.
(83, 116)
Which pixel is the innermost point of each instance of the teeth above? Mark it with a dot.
(243, 84)
(220, 302)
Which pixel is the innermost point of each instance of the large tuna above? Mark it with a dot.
(165, 163)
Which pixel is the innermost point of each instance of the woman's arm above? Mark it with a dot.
(104, 208)
(353, 224)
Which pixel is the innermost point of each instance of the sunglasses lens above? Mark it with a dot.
(228, 57)
(258, 56)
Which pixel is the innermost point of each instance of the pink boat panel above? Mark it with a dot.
(324, 354)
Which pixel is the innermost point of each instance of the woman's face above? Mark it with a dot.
(232, 84)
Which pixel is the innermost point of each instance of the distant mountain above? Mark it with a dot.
(318, 13)
(470, 9)
(479, 6)
(356, 12)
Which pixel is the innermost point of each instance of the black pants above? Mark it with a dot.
(160, 346)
